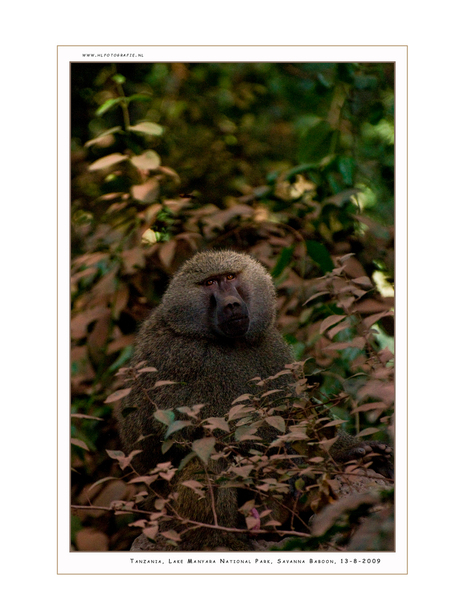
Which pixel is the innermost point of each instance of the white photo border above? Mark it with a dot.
(74, 562)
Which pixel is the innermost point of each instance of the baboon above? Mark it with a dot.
(213, 332)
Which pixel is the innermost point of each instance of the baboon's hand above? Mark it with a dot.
(380, 454)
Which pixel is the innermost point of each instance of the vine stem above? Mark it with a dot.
(211, 493)
(123, 103)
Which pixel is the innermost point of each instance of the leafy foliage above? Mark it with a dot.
(290, 162)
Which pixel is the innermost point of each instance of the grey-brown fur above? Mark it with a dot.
(178, 340)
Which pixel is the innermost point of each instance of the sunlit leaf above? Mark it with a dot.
(149, 160)
(108, 160)
(119, 78)
(148, 127)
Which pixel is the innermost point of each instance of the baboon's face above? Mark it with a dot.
(227, 308)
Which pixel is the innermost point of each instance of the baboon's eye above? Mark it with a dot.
(209, 282)
(230, 276)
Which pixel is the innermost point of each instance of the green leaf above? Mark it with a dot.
(315, 143)
(108, 104)
(139, 98)
(319, 253)
(283, 260)
(123, 358)
(347, 169)
(119, 78)
(166, 417)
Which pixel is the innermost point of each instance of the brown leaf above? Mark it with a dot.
(146, 192)
(277, 422)
(170, 173)
(369, 431)
(176, 426)
(133, 259)
(363, 282)
(98, 336)
(356, 342)
(370, 406)
(82, 416)
(120, 300)
(217, 422)
(316, 460)
(243, 397)
(161, 383)
(330, 321)
(369, 305)
(378, 389)
(124, 461)
(80, 321)
(171, 535)
(336, 329)
(204, 447)
(372, 319)
(169, 474)
(242, 471)
(317, 295)
(167, 252)
(246, 433)
(150, 532)
(118, 395)
(239, 411)
(196, 486)
(78, 443)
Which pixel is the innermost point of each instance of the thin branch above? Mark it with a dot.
(211, 493)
